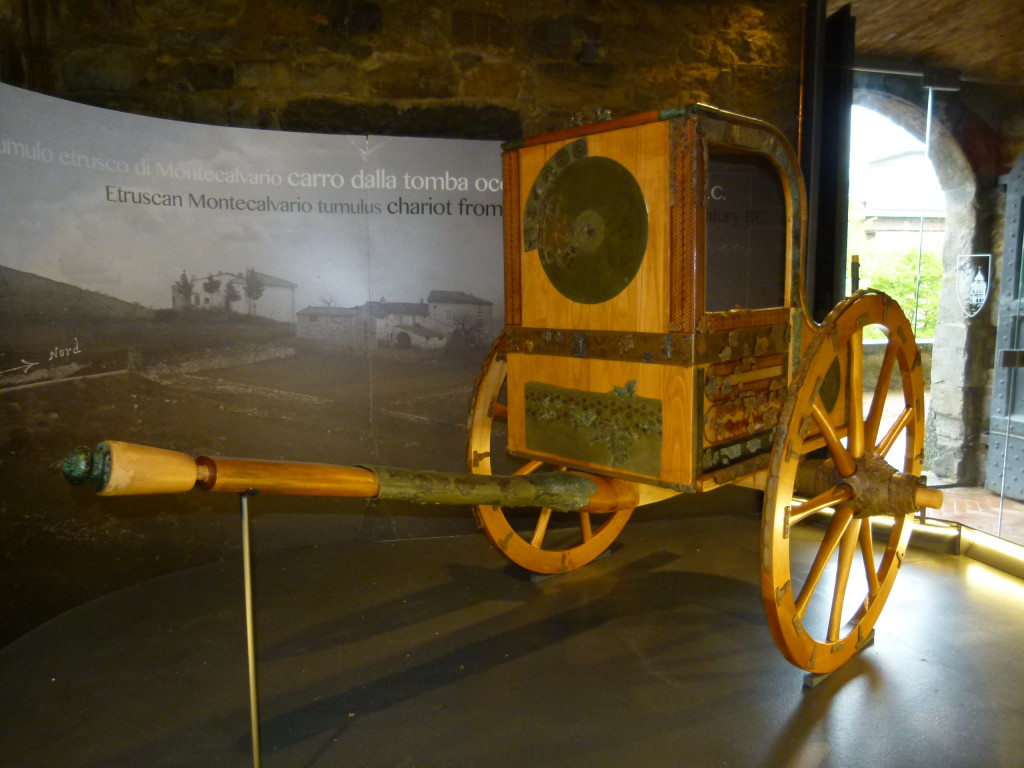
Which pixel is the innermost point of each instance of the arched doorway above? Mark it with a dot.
(956, 415)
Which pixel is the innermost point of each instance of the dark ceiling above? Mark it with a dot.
(984, 39)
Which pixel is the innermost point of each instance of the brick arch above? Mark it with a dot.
(956, 415)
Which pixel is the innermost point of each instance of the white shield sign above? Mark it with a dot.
(973, 279)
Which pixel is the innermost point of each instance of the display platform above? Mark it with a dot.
(435, 653)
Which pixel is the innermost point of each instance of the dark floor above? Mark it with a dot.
(433, 653)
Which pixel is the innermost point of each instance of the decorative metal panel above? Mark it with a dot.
(617, 429)
(587, 219)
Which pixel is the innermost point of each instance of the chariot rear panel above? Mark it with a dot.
(650, 271)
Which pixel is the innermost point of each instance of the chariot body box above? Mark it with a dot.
(650, 273)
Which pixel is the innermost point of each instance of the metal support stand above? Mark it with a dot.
(811, 680)
(250, 629)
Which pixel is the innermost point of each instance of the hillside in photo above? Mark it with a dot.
(49, 330)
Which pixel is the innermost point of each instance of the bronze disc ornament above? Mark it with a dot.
(587, 218)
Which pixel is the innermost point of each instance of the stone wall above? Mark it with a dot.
(453, 68)
(351, 333)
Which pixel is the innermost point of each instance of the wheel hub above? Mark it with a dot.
(878, 487)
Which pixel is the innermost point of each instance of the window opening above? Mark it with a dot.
(897, 217)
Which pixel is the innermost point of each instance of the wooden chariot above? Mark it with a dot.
(656, 343)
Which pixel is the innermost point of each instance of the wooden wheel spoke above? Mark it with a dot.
(529, 468)
(586, 530)
(541, 528)
(874, 418)
(842, 458)
(855, 376)
(544, 518)
(901, 423)
(837, 527)
(847, 549)
(499, 411)
(867, 548)
(833, 497)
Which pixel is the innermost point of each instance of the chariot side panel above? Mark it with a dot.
(650, 290)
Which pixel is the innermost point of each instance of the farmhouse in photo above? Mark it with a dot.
(423, 325)
(249, 292)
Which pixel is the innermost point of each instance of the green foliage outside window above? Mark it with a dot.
(896, 275)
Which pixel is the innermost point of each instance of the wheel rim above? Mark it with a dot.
(533, 539)
(828, 563)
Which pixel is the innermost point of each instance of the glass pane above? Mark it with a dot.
(1011, 442)
(746, 234)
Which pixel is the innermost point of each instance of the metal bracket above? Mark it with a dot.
(813, 680)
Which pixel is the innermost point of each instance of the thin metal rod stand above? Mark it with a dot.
(250, 629)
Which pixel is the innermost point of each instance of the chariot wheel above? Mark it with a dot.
(843, 484)
(535, 539)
